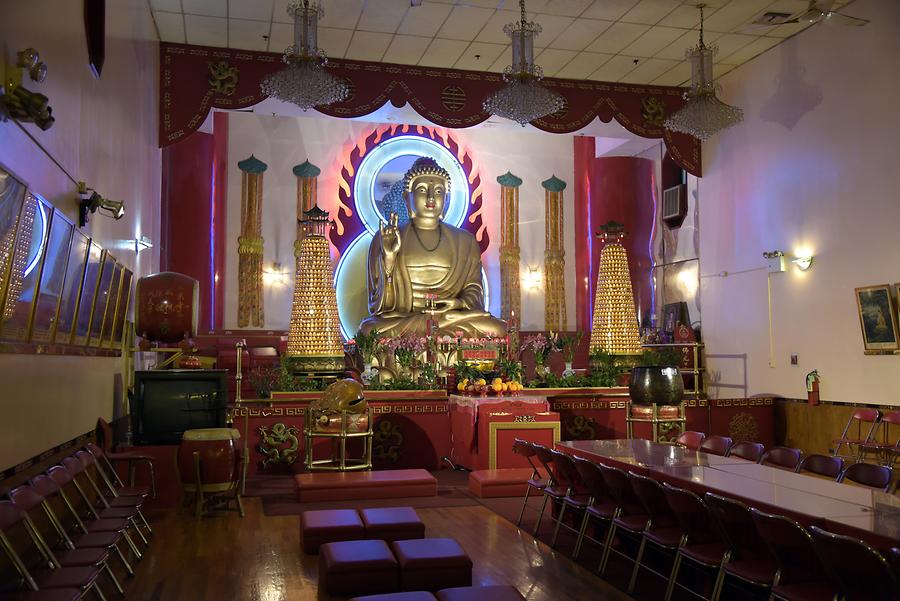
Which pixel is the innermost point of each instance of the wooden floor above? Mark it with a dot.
(258, 558)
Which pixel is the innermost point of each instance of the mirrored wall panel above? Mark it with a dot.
(53, 274)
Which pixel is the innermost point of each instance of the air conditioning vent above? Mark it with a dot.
(674, 205)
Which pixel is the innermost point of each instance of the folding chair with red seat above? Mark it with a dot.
(750, 561)
(888, 449)
(822, 465)
(701, 543)
(869, 474)
(536, 482)
(576, 496)
(34, 577)
(111, 477)
(630, 516)
(662, 529)
(80, 509)
(554, 489)
(103, 433)
(800, 576)
(717, 445)
(690, 439)
(118, 505)
(57, 547)
(782, 457)
(860, 417)
(751, 451)
(601, 507)
(858, 570)
(73, 530)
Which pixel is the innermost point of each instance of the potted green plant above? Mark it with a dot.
(568, 344)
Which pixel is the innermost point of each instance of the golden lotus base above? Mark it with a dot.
(317, 366)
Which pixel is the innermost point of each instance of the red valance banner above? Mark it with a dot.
(194, 79)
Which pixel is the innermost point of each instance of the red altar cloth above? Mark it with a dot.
(470, 428)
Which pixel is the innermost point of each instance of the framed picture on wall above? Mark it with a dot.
(673, 314)
(877, 318)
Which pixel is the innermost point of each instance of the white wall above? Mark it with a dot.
(105, 135)
(815, 165)
(282, 142)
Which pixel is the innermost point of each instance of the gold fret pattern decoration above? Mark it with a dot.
(615, 324)
(307, 197)
(250, 244)
(510, 291)
(554, 256)
(314, 337)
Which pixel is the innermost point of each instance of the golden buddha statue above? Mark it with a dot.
(426, 266)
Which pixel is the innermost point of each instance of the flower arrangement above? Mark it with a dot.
(368, 344)
(569, 344)
(540, 345)
(407, 348)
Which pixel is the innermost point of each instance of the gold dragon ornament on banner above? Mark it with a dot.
(278, 444)
(555, 318)
(223, 78)
(250, 244)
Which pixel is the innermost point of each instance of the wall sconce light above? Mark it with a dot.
(90, 202)
(142, 243)
(533, 278)
(18, 103)
(275, 276)
(802, 263)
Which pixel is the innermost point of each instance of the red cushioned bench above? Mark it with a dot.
(382, 484)
(508, 482)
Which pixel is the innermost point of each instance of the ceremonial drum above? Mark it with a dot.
(212, 455)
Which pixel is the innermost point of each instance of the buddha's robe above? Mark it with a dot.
(451, 270)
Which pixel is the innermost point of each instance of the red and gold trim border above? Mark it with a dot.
(194, 79)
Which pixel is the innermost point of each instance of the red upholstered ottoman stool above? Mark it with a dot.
(429, 564)
(392, 523)
(328, 526)
(407, 596)
(357, 567)
(497, 592)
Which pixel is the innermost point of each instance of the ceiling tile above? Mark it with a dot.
(282, 35)
(784, 31)
(258, 10)
(333, 41)
(650, 12)
(172, 6)
(580, 34)
(552, 26)
(207, 8)
(583, 65)
(653, 41)
(750, 51)
(617, 37)
(406, 49)
(552, 60)
(677, 49)
(486, 53)
(383, 16)
(425, 20)
(248, 35)
(565, 8)
(340, 14)
(206, 31)
(720, 70)
(368, 45)
(730, 43)
(686, 16)
(501, 63)
(609, 10)
(649, 69)
(443, 53)
(614, 69)
(170, 26)
(464, 22)
(678, 75)
(734, 15)
(492, 32)
(491, 4)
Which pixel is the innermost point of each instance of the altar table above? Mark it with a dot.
(482, 429)
(864, 513)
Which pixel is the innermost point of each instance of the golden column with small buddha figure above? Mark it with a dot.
(510, 290)
(554, 256)
(615, 324)
(307, 197)
(250, 244)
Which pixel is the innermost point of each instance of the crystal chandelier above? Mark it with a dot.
(304, 81)
(704, 114)
(523, 99)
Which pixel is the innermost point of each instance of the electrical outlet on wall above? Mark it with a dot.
(794, 359)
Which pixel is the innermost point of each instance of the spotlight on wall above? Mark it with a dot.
(276, 275)
(142, 243)
(776, 260)
(533, 278)
(803, 263)
(90, 201)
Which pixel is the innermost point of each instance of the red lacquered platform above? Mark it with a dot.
(506, 482)
(348, 486)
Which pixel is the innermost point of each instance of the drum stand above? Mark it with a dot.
(208, 497)
(339, 462)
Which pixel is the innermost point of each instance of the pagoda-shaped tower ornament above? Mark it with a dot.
(314, 340)
(250, 244)
(510, 290)
(555, 319)
(615, 324)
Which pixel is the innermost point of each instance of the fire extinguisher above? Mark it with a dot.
(812, 387)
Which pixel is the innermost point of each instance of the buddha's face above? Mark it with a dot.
(426, 197)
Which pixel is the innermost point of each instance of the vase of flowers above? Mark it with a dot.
(407, 349)
(369, 345)
(568, 345)
(541, 346)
